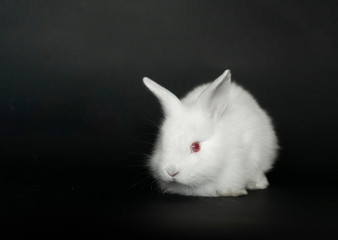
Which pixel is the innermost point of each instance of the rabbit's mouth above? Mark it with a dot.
(171, 181)
(175, 183)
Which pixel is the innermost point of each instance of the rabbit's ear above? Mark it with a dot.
(168, 100)
(214, 99)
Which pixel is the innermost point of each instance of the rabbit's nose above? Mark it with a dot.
(172, 171)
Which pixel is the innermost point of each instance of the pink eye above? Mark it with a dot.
(195, 147)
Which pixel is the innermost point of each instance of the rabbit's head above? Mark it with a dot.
(188, 150)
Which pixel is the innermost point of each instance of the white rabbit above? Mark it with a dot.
(216, 141)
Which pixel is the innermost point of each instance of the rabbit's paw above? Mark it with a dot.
(231, 193)
(260, 183)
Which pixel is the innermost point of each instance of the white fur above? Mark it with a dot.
(237, 139)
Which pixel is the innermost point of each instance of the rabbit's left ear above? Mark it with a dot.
(170, 103)
(215, 98)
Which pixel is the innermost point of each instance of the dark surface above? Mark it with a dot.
(279, 212)
(76, 122)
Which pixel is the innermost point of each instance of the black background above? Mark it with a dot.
(76, 121)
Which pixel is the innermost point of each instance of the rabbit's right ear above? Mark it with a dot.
(214, 99)
(168, 100)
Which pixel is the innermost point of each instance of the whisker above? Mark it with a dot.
(141, 141)
(154, 182)
(151, 122)
(138, 182)
(141, 179)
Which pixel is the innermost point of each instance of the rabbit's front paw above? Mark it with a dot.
(260, 183)
(231, 193)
